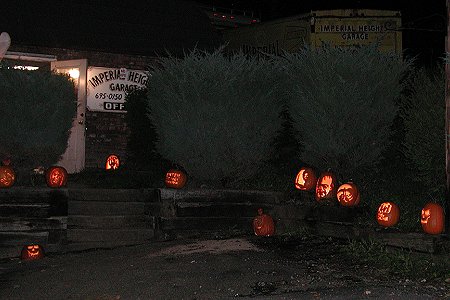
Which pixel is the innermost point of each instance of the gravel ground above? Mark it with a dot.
(242, 268)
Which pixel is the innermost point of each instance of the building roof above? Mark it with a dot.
(140, 27)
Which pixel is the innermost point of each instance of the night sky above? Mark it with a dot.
(148, 23)
(424, 21)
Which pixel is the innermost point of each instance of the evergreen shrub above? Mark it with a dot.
(141, 150)
(38, 108)
(144, 164)
(343, 102)
(215, 116)
(424, 118)
(280, 170)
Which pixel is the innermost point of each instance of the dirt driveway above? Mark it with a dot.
(241, 268)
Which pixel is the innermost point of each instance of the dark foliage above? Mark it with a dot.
(142, 157)
(343, 102)
(215, 115)
(37, 112)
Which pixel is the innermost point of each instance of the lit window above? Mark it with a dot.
(74, 73)
(28, 68)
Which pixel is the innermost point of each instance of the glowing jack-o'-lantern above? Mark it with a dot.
(56, 177)
(263, 224)
(432, 218)
(326, 186)
(388, 214)
(7, 174)
(32, 252)
(112, 162)
(175, 179)
(348, 194)
(305, 179)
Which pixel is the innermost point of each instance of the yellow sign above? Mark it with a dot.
(344, 32)
(339, 28)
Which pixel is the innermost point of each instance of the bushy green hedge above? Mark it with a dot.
(413, 170)
(145, 166)
(424, 118)
(215, 116)
(141, 149)
(37, 109)
(343, 102)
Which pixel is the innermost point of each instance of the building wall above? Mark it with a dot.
(106, 132)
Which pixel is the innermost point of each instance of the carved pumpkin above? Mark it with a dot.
(32, 252)
(388, 214)
(112, 162)
(326, 187)
(348, 194)
(432, 218)
(306, 179)
(7, 174)
(56, 177)
(175, 179)
(263, 224)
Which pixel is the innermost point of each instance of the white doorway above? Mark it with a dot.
(73, 160)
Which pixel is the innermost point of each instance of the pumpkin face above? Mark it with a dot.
(325, 187)
(7, 176)
(388, 214)
(263, 224)
(56, 177)
(432, 218)
(306, 179)
(32, 252)
(175, 179)
(112, 162)
(348, 194)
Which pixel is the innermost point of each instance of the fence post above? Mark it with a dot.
(447, 119)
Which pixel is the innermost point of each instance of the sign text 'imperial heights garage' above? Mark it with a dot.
(107, 87)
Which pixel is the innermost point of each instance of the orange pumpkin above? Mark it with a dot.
(432, 218)
(348, 194)
(326, 187)
(388, 214)
(175, 179)
(56, 177)
(263, 224)
(112, 162)
(306, 179)
(7, 176)
(32, 252)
